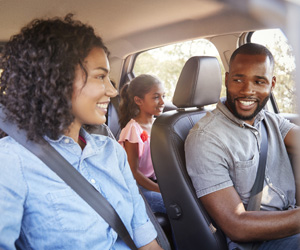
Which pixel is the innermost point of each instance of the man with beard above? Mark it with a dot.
(222, 156)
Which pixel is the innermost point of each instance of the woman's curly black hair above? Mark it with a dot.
(39, 65)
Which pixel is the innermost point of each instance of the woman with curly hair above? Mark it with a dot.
(55, 79)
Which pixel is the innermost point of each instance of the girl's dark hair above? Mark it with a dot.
(39, 64)
(139, 87)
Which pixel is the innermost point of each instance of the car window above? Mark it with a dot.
(284, 70)
(166, 62)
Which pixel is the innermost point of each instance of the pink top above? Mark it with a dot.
(132, 132)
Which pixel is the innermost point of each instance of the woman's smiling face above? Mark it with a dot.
(91, 93)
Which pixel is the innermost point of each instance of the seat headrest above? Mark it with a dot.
(199, 83)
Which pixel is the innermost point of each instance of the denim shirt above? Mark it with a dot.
(223, 151)
(40, 211)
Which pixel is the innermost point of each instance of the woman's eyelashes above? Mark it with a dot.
(100, 77)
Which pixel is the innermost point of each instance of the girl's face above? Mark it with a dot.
(153, 102)
(91, 98)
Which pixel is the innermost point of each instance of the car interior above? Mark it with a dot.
(129, 29)
(196, 88)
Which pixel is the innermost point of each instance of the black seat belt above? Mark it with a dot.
(256, 192)
(71, 176)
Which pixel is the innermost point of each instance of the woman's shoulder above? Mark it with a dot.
(106, 141)
(7, 143)
(11, 151)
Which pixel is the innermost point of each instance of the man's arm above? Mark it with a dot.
(292, 140)
(228, 211)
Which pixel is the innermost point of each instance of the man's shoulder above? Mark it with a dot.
(272, 115)
(211, 122)
(276, 119)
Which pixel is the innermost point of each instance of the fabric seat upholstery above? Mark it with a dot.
(198, 85)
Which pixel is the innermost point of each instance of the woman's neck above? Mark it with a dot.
(73, 132)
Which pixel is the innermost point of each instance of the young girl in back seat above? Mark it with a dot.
(141, 100)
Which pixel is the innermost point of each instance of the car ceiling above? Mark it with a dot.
(129, 26)
(123, 20)
(112, 18)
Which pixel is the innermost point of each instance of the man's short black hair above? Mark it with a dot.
(252, 49)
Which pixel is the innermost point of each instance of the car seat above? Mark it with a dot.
(199, 85)
(113, 116)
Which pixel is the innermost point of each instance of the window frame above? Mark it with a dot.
(272, 104)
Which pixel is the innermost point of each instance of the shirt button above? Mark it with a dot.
(67, 140)
(93, 181)
(256, 133)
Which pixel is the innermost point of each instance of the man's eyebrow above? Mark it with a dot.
(238, 75)
(262, 77)
(259, 77)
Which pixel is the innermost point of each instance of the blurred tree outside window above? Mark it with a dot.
(167, 62)
(284, 70)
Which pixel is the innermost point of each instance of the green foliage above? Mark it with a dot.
(167, 62)
(284, 69)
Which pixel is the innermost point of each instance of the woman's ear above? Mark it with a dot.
(138, 100)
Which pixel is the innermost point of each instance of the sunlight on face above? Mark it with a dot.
(153, 102)
(90, 99)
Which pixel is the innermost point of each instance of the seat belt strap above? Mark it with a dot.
(256, 192)
(70, 175)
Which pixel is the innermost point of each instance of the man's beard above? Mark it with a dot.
(231, 104)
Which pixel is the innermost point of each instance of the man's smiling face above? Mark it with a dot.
(248, 85)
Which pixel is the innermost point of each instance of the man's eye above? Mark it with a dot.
(237, 80)
(260, 82)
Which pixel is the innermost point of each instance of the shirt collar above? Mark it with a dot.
(94, 143)
(82, 132)
(222, 107)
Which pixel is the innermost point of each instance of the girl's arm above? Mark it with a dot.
(133, 159)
